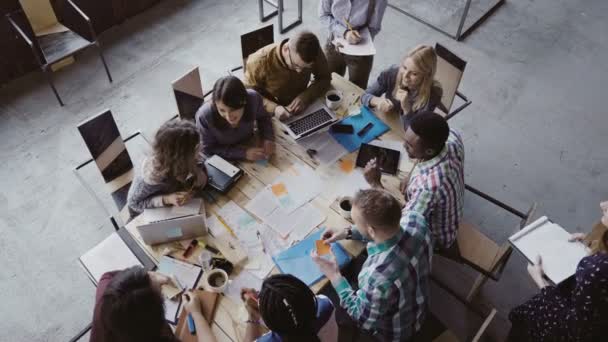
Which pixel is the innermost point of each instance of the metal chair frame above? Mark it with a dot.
(280, 8)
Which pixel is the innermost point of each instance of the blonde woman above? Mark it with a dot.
(409, 88)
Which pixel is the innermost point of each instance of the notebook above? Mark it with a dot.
(222, 174)
(549, 240)
(109, 255)
(208, 303)
(297, 261)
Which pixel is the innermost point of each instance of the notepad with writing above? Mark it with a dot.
(297, 261)
(549, 240)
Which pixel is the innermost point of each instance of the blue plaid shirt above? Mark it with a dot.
(392, 299)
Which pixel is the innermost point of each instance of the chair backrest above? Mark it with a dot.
(255, 40)
(449, 73)
(188, 92)
(104, 142)
(476, 249)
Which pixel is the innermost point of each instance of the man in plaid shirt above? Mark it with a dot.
(392, 300)
(436, 185)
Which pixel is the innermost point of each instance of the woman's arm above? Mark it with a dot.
(263, 118)
(374, 91)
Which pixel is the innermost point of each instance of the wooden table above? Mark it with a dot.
(228, 325)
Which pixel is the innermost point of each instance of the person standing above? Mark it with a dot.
(337, 16)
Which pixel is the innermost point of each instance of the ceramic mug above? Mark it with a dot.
(333, 99)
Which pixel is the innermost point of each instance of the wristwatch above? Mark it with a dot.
(349, 233)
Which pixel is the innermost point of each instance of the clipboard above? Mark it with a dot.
(208, 303)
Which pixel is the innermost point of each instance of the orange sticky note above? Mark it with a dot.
(347, 165)
(279, 189)
(322, 247)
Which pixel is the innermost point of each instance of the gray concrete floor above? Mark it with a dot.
(535, 132)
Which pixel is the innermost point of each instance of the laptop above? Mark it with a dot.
(180, 228)
(315, 117)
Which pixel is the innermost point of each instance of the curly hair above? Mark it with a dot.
(175, 150)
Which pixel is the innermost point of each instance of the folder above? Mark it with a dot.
(297, 261)
(352, 142)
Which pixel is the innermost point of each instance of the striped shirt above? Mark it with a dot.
(392, 300)
(436, 190)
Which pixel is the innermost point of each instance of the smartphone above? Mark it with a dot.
(341, 128)
(365, 129)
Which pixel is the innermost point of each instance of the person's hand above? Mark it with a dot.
(268, 148)
(177, 198)
(383, 105)
(255, 153)
(158, 279)
(372, 173)
(192, 304)
(328, 266)
(296, 106)
(200, 178)
(352, 37)
(577, 237)
(333, 234)
(537, 272)
(250, 298)
(282, 113)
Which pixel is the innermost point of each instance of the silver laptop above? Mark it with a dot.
(179, 228)
(315, 117)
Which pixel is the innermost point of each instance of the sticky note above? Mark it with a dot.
(322, 247)
(279, 189)
(347, 165)
(173, 233)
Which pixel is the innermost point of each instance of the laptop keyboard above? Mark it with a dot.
(311, 121)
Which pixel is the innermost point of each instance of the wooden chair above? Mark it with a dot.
(450, 69)
(107, 147)
(54, 47)
(188, 92)
(481, 253)
(449, 336)
(252, 42)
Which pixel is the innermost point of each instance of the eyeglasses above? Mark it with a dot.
(295, 66)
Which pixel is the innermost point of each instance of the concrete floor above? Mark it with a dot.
(535, 132)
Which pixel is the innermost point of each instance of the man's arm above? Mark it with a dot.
(321, 80)
(375, 21)
(255, 79)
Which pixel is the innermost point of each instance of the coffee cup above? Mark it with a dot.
(215, 280)
(345, 205)
(333, 99)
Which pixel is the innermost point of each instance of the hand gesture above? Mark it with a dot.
(177, 198)
(384, 105)
(192, 304)
(250, 298)
(332, 235)
(373, 174)
(537, 272)
(353, 37)
(282, 113)
(328, 266)
(255, 153)
(577, 237)
(296, 106)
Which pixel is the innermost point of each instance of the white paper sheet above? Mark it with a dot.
(187, 275)
(302, 184)
(109, 255)
(308, 218)
(405, 163)
(243, 279)
(328, 150)
(244, 225)
(549, 240)
(364, 48)
(273, 244)
(262, 205)
(166, 213)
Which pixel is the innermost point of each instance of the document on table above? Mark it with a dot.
(244, 279)
(364, 48)
(186, 274)
(328, 150)
(244, 225)
(109, 255)
(405, 163)
(549, 240)
(166, 213)
(296, 186)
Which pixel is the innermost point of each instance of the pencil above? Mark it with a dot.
(225, 225)
(350, 28)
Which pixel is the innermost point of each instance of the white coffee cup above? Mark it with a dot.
(215, 280)
(333, 99)
(345, 205)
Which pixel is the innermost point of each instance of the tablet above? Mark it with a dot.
(387, 159)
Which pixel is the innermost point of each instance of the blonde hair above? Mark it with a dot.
(425, 59)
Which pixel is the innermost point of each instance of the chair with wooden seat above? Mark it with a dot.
(57, 43)
(103, 140)
(481, 253)
(188, 92)
(252, 42)
(450, 69)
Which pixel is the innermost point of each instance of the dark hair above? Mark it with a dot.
(604, 241)
(307, 46)
(230, 91)
(379, 208)
(132, 309)
(174, 150)
(432, 129)
(289, 308)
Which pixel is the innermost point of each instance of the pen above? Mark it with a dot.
(350, 28)
(225, 225)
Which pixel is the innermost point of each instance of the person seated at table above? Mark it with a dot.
(574, 310)
(281, 72)
(229, 120)
(129, 307)
(171, 175)
(409, 89)
(435, 187)
(290, 310)
(392, 299)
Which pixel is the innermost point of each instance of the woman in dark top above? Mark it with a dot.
(408, 89)
(129, 308)
(229, 120)
(574, 310)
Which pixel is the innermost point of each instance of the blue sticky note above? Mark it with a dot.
(173, 233)
(352, 142)
(296, 260)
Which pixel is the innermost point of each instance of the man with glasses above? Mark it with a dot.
(290, 74)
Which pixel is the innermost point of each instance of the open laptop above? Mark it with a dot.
(315, 117)
(179, 228)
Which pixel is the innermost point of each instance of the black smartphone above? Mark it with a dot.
(365, 129)
(341, 128)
